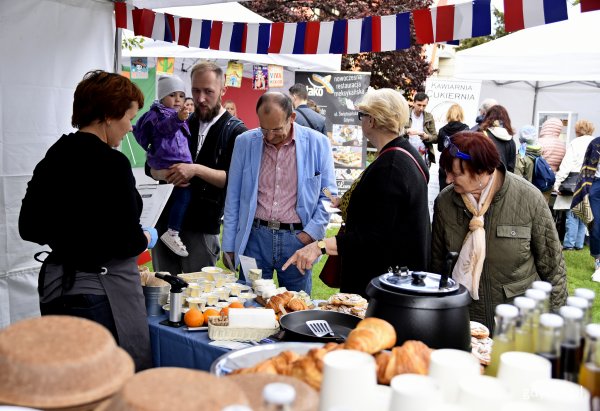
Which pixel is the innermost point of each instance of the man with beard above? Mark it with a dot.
(213, 132)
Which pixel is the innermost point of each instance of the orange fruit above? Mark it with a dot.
(236, 304)
(193, 318)
(224, 311)
(211, 312)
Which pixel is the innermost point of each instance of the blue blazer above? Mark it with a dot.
(315, 171)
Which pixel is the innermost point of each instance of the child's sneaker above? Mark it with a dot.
(172, 240)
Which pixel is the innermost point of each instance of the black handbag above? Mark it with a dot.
(567, 187)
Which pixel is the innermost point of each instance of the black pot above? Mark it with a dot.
(419, 309)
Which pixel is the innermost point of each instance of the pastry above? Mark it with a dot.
(412, 357)
(479, 330)
(371, 335)
(351, 300)
(297, 304)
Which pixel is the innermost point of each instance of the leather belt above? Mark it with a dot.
(276, 225)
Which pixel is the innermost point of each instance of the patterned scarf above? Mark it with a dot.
(469, 265)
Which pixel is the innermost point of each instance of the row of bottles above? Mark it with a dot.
(568, 339)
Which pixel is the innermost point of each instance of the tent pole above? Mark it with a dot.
(117, 56)
(536, 88)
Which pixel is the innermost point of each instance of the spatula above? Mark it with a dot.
(319, 327)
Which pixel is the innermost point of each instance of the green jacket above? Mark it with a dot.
(522, 244)
(526, 163)
(429, 128)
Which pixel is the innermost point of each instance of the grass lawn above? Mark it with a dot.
(580, 266)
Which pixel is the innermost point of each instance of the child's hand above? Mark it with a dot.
(183, 113)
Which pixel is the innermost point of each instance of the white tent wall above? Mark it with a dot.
(518, 98)
(47, 47)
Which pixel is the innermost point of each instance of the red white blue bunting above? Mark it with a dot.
(373, 33)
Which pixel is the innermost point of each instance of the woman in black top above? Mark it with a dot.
(82, 203)
(387, 221)
(454, 118)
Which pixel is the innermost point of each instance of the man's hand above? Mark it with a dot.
(304, 238)
(424, 136)
(180, 174)
(304, 258)
(413, 132)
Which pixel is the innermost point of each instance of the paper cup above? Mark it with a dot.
(349, 379)
(448, 366)
(518, 369)
(473, 392)
(414, 392)
(559, 395)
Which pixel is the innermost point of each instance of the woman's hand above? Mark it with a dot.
(304, 258)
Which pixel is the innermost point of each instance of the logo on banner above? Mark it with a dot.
(323, 83)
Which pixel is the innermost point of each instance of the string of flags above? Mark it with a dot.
(373, 33)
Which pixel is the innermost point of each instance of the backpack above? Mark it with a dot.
(543, 176)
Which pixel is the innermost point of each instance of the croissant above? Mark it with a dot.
(412, 357)
(307, 370)
(297, 304)
(275, 303)
(371, 335)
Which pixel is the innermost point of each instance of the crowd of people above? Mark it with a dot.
(266, 187)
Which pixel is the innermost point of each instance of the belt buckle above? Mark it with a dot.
(274, 225)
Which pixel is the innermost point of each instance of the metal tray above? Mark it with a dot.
(248, 357)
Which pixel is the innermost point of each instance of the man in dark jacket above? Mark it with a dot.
(213, 132)
(305, 116)
(420, 130)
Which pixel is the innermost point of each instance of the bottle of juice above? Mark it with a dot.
(583, 305)
(504, 335)
(571, 350)
(539, 297)
(586, 293)
(589, 375)
(549, 338)
(523, 330)
(546, 287)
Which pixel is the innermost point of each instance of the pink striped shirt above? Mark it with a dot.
(278, 184)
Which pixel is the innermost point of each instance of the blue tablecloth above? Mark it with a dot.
(176, 347)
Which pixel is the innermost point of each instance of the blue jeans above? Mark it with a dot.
(181, 200)
(575, 231)
(271, 249)
(595, 206)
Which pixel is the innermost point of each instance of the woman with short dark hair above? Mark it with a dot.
(83, 204)
(499, 223)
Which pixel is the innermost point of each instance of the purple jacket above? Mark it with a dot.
(164, 137)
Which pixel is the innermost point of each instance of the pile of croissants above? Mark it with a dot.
(371, 335)
(286, 302)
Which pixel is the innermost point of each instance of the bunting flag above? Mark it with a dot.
(589, 5)
(522, 14)
(448, 23)
(453, 22)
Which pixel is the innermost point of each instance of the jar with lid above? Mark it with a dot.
(278, 397)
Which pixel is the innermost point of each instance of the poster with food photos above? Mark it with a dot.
(336, 95)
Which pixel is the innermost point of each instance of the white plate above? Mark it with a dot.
(167, 307)
(251, 356)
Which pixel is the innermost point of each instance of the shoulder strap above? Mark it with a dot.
(306, 118)
(411, 157)
(232, 124)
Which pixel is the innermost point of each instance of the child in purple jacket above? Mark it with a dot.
(163, 132)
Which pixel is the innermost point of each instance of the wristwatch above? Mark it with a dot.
(321, 245)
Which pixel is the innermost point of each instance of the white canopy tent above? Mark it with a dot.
(554, 67)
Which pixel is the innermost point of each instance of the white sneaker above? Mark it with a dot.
(596, 276)
(174, 243)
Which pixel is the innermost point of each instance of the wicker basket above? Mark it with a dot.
(218, 329)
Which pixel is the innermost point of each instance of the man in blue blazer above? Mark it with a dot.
(274, 204)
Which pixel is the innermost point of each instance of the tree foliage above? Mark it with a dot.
(476, 41)
(404, 70)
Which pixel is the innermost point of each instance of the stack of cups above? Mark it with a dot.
(349, 381)
(448, 367)
(518, 369)
(559, 395)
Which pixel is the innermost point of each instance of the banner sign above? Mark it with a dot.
(275, 76)
(336, 94)
(233, 74)
(165, 65)
(443, 93)
(260, 77)
(139, 68)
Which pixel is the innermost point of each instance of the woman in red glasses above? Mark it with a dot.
(499, 223)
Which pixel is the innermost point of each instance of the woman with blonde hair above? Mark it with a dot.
(454, 118)
(387, 214)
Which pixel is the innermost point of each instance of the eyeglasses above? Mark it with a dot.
(277, 131)
(361, 115)
(454, 151)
